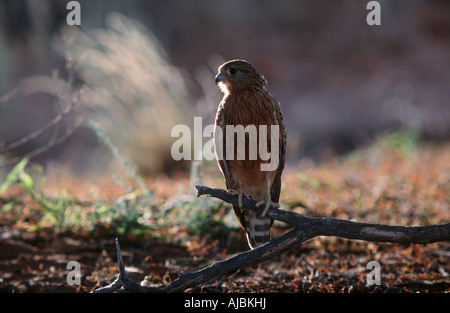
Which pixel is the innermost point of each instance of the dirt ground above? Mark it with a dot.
(39, 264)
(396, 189)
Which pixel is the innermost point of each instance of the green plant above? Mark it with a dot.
(129, 214)
(55, 211)
(405, 141)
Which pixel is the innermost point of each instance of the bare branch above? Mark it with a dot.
(9, 96)
(304, 229)
(343, 228)
(62, 91)
(48, 126)
(55, 138)
(123, 279)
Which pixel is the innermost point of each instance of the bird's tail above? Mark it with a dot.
(257, 229)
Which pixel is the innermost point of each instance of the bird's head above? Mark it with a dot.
(237, 75)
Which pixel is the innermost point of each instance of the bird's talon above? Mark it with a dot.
(240, 198)
(240, 204)
(262, 212)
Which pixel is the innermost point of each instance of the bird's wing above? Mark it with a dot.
(276, 185)
(224, 166)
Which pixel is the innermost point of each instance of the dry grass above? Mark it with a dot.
(388, 186)
(134, 94)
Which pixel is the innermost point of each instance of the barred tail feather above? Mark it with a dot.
(257, 229)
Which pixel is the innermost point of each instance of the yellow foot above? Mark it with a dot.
(267, 203)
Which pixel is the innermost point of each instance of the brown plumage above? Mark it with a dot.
(247, 102)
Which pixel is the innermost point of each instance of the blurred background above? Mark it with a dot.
(114, 87)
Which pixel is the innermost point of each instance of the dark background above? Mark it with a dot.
(341, 82)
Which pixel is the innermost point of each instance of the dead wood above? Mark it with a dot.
(66, 112)
(304, 228)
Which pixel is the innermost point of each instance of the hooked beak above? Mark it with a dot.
(219, 78)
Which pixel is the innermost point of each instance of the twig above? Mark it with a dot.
(304, 229)
(9, 95)
(49, 125)
(123, 279)
(55, 139)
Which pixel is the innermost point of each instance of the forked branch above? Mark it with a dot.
(304, 228)
(66, 107)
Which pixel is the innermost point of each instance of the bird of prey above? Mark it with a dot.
(247, 102)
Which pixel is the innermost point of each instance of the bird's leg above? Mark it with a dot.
(267, 202)
(240, 201)
(240, 196)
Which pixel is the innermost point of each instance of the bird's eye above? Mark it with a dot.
(232, 71)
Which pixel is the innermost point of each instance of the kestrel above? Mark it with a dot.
(246, 101)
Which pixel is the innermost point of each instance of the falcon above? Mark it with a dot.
(247, 102)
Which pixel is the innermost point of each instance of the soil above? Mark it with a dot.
(36, 263)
